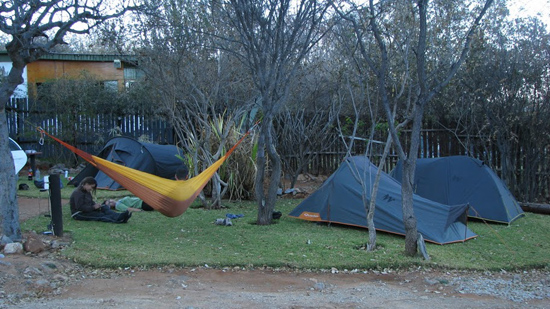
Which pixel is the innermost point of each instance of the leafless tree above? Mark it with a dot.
(305, 127)
(362, 52)
(348, 141)
(428, 83)
(199, 89)
(272, 38)
(303, 134)
(35, 28)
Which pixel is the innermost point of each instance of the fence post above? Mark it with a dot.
(55, 198)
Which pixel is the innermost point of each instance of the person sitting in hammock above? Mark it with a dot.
(132, 203)
(83, 206)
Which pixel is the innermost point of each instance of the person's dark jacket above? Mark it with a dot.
(81, 200)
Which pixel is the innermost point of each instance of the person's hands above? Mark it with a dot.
(97, 206)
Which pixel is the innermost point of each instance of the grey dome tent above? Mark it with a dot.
(339, 200)
(160, 160)
(462, 179)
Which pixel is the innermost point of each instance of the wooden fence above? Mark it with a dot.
(531, 183)
(88, 133)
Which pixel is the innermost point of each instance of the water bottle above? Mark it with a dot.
(46, 182)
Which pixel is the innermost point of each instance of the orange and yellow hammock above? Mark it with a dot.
(169, 197)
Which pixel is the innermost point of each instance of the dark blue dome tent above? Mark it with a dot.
(464, 180)
(339, 200)
(159, 160)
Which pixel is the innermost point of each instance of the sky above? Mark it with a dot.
(526, 8)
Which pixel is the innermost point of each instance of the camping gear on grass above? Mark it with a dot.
(464, 180)
(339, 200)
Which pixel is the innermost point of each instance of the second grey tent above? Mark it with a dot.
(339, 200)
(159, 160)
(460, 180)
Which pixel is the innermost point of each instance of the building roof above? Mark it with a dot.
(77, 57)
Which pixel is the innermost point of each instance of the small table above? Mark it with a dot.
(32, 155)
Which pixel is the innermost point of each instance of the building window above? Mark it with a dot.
(110, 85)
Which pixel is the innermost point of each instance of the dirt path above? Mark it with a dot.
(32, 207)
(48, 281)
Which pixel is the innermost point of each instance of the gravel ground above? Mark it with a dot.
(48, 281)
(517, 287)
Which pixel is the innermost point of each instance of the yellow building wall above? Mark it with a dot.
(44, 70)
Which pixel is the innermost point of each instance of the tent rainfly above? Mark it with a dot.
(464, 180)
(339, 200)
(159, 160)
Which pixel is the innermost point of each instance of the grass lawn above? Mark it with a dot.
(151, 239)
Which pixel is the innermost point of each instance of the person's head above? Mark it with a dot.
(182, 173)
(111, 203)
(88, 184)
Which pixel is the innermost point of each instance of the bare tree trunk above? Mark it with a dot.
(409, 218)
(407, 190)
(8, 185)
(260, 175)
(219, 188)
(370, 212)
(372, 205)
(9, 209)
(266, 197)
